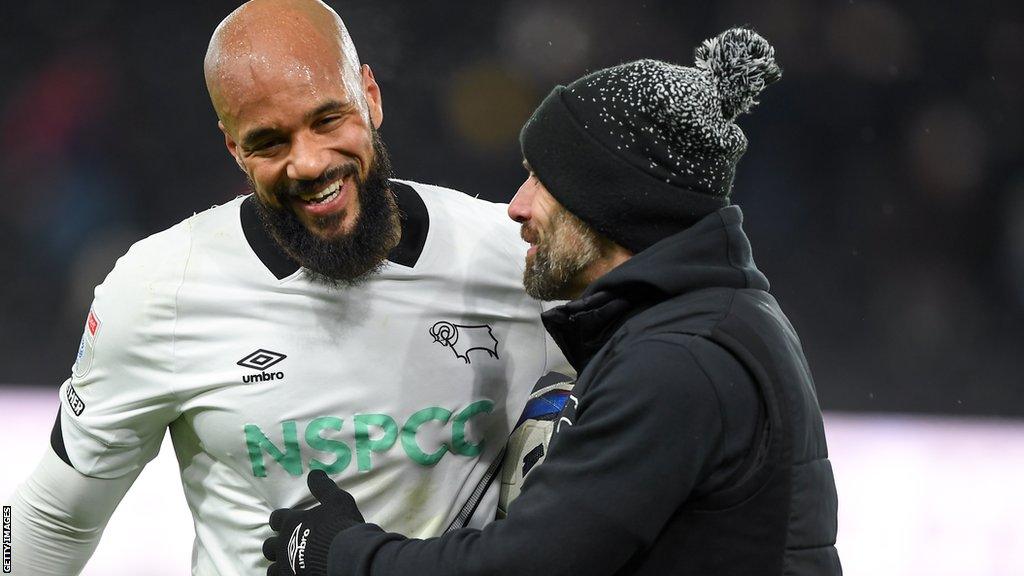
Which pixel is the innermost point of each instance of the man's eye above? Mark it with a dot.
(265, 147)
(328, 121)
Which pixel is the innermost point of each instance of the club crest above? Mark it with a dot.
(465, 339)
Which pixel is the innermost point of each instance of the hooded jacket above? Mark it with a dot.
(692, 443)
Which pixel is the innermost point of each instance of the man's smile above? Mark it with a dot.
(325, 201)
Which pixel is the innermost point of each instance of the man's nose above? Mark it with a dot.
(307, 160)
(519, 207)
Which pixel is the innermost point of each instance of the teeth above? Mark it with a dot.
(324, 194)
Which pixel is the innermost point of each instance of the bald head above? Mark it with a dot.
(289, 41)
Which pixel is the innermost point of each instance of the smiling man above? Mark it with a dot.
(335, 319)
(300, 116)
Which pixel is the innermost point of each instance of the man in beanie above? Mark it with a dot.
(692, 442)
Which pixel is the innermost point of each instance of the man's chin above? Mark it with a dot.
(550, 277)
(337, 229)
(343, 243)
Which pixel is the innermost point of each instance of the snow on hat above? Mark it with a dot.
(643, 150)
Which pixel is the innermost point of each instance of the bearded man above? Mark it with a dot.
(335, 319)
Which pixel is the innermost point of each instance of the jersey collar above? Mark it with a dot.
(414, 220)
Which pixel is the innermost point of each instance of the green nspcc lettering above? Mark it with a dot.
(365, 445)
(258, 443)
(342, 453)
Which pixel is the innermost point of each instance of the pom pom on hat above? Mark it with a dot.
(742, 63)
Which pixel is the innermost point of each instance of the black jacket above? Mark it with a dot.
(692, 444)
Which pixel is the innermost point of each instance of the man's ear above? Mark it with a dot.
(372, 93)
(231, 145)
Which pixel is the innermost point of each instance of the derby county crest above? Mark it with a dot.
(465, 339)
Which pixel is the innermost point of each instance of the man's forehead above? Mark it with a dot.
(250, 81)
(259, 68)
(250, 61)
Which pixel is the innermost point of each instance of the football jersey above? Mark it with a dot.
(403, 388)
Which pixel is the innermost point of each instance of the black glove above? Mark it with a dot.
(304, 536)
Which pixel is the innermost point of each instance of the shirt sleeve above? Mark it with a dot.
(119, 398)
(645, 434)
(58, 515)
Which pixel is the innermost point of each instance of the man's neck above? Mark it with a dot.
(612, 255)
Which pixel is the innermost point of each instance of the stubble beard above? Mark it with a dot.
(555, 270)
(347, 259)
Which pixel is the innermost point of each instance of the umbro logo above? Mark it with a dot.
(261, 360)
(297, 548)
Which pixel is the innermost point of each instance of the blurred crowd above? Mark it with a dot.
(883, 187)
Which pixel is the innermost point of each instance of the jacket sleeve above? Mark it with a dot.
(644, 434)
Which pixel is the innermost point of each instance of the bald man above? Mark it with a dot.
(335, 319)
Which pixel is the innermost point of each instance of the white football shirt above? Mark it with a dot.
(404, 388)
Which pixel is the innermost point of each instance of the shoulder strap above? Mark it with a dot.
(470, 506)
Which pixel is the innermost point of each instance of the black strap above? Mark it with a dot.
(471, 504)
(469, 508)
(57, 441)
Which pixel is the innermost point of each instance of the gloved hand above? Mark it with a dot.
(304, 536)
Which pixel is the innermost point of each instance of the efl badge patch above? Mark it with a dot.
(83, 363)
(465, 339)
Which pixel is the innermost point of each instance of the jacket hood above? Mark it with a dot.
(713, 253)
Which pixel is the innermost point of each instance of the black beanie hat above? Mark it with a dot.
(643, 150)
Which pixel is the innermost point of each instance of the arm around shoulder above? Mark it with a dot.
(642, 436)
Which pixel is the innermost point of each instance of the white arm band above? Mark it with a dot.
(58, 515)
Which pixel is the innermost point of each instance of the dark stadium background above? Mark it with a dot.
(883, 191)
(883, 187)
